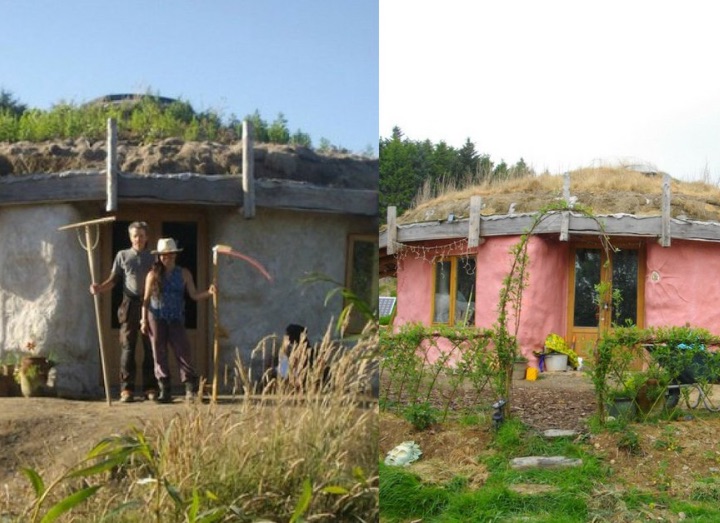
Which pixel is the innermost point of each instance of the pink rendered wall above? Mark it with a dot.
(544, 306)
(682, 285)
(414, 291)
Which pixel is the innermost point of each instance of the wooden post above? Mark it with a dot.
(665, 239)
(111, 187)
(248, 171)
(566, 188)
(391, 229)
(565, 224)
(565, 227)
(474, 225)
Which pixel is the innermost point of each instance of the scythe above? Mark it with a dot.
(218, 330)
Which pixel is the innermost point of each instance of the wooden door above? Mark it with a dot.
(592, 269)
(189, 230)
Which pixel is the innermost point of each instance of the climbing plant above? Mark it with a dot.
(509, 308)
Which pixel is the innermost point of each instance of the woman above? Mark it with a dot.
(163, 317)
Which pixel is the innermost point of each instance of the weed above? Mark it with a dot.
(668, 441)
(629, 442)
(706, 490)
(421, 415)
(306, 454)
(663, 480)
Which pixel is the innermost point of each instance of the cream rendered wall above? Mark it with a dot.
(44, 282)
(292, 246)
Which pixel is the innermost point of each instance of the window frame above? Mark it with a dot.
(453, 259)
(357, 323)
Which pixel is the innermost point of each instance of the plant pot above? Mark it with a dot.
(555, 362)
(34, 372)
(622, 409)
(519, 368)
(7, 384)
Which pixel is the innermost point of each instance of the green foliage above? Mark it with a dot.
(406, 166)
(148, 119)
(421, 415)
(629, 442)
(403, 497)
(668, 354)
(352, 303)
(556, 343)
(409, 376)
(9, 105)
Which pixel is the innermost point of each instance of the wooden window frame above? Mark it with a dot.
(453, 288)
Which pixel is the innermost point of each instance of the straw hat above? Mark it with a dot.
(166, 246)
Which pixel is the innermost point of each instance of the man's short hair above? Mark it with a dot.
(138, 225)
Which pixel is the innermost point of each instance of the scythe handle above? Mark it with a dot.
(216, 328)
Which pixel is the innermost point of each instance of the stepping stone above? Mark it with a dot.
(560, 433)
(544, 462)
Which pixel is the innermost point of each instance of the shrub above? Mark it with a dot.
(421, 415)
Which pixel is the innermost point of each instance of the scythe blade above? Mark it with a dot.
(229, 251)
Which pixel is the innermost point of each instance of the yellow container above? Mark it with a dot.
(531, 373)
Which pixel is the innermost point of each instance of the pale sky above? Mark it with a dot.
(562, 84)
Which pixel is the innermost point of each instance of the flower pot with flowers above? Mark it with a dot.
(33, 372)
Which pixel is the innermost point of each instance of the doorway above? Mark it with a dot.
(189, 231)
(619, 273)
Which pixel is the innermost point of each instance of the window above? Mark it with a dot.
(362, 276)
(454, 291)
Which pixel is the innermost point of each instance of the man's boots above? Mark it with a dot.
(165, 395)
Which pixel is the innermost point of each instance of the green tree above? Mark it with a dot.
(260, 127)
(399, 176)
(468, 156)
(11, 105)
(278, 131)
(300, 138)
(407, 167)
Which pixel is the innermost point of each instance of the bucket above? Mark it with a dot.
(555, 362)
(531, 373)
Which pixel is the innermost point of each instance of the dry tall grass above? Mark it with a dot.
(294, 448)
(604, 189)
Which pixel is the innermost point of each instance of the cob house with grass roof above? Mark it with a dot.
(451, 254)
(297, 212)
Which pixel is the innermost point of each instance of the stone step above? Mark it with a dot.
(544, 462)
(560, 433)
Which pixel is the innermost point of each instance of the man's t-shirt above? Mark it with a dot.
(132, 266)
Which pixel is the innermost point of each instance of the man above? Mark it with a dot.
(131, 266)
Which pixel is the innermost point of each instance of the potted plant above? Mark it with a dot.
(620, 400)
(33, 372)
(558, 354)
(520, 368)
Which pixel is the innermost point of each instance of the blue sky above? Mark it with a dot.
(316, 61)
(560, 83)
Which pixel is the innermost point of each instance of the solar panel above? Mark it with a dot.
(386, 306)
